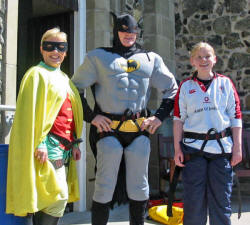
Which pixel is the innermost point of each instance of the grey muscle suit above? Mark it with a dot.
(117, 90)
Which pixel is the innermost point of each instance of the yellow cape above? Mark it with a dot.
(32, 186)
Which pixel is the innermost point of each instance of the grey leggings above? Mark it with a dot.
(109, 155)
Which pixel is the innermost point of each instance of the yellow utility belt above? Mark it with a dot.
(128, 125)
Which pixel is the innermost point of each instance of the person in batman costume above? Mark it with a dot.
(121, 78)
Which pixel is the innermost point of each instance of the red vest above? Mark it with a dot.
(64, 125)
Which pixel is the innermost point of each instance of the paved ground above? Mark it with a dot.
(119, 216)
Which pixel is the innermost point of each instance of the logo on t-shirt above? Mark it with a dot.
(206, 100)
(192, 91)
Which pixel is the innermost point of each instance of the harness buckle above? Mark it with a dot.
(128, 113)
(217, 136)
(58, 163)
(123, 118)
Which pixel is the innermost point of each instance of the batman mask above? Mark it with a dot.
(124, 23)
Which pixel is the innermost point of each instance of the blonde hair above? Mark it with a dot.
(54, 32)
(200, 45)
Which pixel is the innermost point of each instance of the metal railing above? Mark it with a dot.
(247, 112)
(7, 108)
(9, 117)
(13, 108)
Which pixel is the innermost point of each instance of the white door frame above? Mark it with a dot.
(79, 53)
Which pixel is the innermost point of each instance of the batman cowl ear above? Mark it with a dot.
(114, 16)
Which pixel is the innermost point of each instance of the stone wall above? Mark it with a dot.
(225, 24)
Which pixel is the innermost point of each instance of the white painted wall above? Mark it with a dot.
(9, 80)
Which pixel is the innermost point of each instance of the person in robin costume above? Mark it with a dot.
(121, 78)
(44, 138)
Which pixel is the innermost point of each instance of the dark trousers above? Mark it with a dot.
(207, 187)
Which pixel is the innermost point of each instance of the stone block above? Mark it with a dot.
(196, 27)
(215, 40)
(190, 7)
(168, 28)
(164, 50)
(239, 61)
(222, 25)
(90, 40)
(160, 45)
(102, 39)
(90, 4)
(102, 20)
(178, 24)
(236, 6)
(158, 6)
(172, 49)
(98, 4)
(149, 6)
(243, 25)
(90, 20)
(98, 20)
(159, 25)
(172, 10)
(2, 6)
(247, 103)
(115, 5)
(246, 83)
(150, 21)
(98, 34)
(97, 39)
(232, 41)
(163, 7)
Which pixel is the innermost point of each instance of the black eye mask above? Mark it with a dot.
(50, 46)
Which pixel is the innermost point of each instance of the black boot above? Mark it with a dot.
(41, 218)
(100, 213)
(137, 210)
(29, 219)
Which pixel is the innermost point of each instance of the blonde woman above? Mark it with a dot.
(44, 138)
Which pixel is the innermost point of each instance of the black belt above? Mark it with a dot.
(212, 134)
(207, 136)
(127, 115)
(66, 143)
